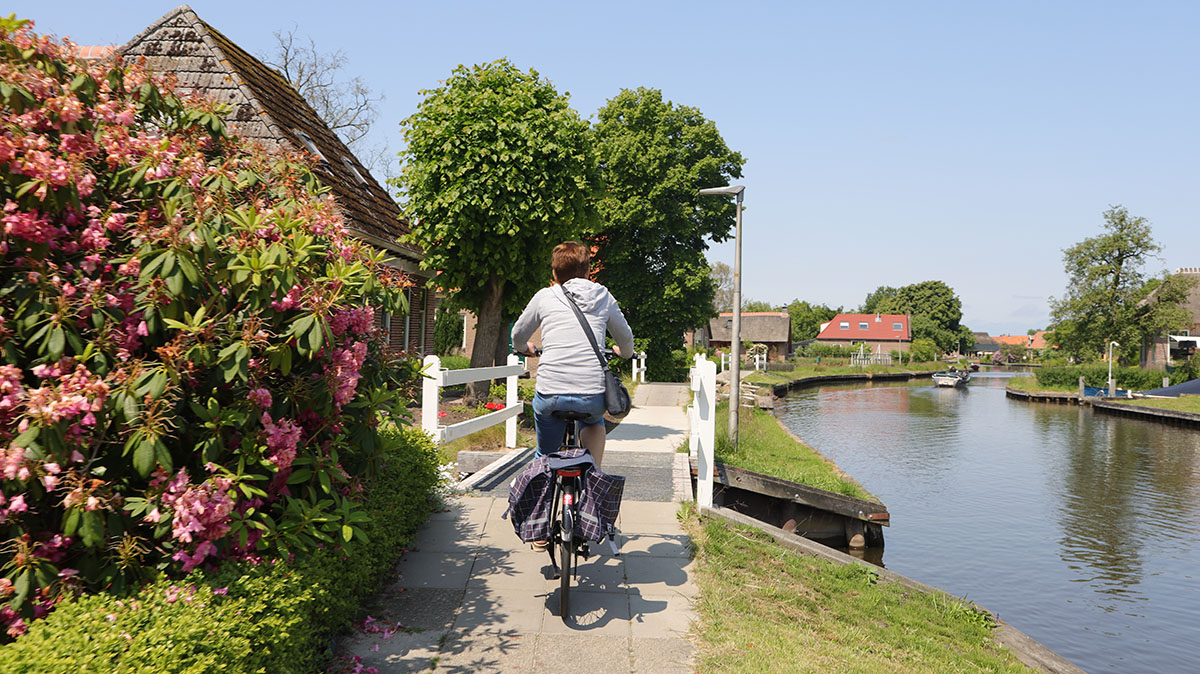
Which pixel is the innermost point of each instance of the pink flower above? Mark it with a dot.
(260, 397)
(282, 439)
(343, 373)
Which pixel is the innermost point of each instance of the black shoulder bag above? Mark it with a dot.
(616, 397)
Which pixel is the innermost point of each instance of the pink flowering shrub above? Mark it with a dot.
(189, 369)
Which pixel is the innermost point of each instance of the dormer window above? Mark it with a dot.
(354, 170)
(309, 144)
(863, 325)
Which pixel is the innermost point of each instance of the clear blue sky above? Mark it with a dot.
(887, 142)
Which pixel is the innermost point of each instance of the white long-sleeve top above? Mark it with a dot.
(568, 363)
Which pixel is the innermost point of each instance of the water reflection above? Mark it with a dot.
(1079, 528)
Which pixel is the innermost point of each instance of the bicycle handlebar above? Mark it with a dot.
(608, 353)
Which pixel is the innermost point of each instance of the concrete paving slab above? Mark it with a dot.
(487, 650)
(656, 545)
(502, 570)
(556, 654)
(663, 656)
(659, 576)
(435, 569)
(597, 613)
(471, 509)
(484, 608)
(444, 535)
(650, 512)
(660, 616)
(601, 574)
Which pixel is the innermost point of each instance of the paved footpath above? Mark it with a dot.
(468, 596)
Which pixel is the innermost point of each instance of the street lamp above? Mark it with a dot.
(1111, 388)
(735, 370)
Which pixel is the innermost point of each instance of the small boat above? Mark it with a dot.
(955, 378)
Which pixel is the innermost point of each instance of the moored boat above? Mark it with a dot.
(951, 378)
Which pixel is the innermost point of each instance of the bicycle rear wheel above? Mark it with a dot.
(566, 543)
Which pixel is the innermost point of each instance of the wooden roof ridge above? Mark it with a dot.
(369, 210)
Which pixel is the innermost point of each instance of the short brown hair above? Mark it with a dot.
(570, 260)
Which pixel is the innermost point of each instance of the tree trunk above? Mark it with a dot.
(487, 331)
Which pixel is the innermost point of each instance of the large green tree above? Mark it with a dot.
(498, 169)
(807, 318)
(936, 312)
(654, 157)
(1108, 296)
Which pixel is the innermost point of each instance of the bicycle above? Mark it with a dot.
(564, 505)
(564, 511)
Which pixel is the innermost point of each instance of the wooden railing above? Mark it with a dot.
(437, 377)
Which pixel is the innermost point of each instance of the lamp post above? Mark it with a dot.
(735, 338)
(1111, 388)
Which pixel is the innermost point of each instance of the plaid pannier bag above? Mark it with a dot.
(599, 506)
(529, 501)
(599, 503)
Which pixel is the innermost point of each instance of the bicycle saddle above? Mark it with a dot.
(568, 415)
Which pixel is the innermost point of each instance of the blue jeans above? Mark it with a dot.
(550, 430)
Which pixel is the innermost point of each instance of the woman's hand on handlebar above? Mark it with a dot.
(530, 350)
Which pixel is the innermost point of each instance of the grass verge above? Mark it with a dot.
(765, 609)
(1031, 385)
(1180, 404)
(765, 446)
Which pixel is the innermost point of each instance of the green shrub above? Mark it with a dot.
(271, 617)
(189, 369)
(455, 362)
(1096, 374)
(447, 331)
(923, 350)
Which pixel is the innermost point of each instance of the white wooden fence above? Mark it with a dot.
(639, 367)
(865, 359)
(436, 377)
(702, 422)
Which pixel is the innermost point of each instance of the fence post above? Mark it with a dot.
(510, 399)
(431, 385)
(1082, 390)
(642, 369)
(705, 402)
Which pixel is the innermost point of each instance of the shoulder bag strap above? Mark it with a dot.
(587, 329)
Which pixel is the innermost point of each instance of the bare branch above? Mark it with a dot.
(348, 106)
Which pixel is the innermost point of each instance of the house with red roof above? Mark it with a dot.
(879, 332)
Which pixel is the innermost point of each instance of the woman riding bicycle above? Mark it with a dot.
(569, 376)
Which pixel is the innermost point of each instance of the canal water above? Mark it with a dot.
(1080, 529)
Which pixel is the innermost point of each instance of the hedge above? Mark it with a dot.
(1096, 374)
(273, 617)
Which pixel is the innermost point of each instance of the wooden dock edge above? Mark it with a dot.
(817, 380)
(1158, 414)
(1060, 397)
(1026, 649)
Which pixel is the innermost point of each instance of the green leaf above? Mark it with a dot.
(299, 476)
(22, 587)
(316, 337)
(143, 457)
(71, 522)
(58, 340)
(91, 529)
(347, 533)
(25, 439)
(163, 455)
